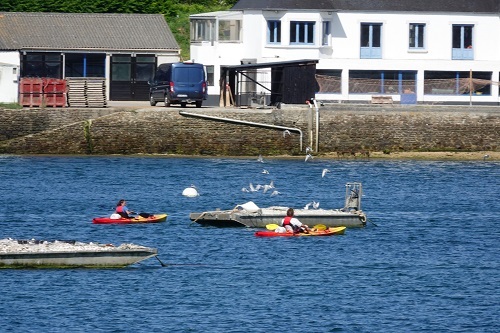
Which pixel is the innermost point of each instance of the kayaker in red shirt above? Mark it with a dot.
(292, 224)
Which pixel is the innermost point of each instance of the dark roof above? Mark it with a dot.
(65, 31)
(272, 64)
(449, 6)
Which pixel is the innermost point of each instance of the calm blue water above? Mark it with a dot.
(430, 265)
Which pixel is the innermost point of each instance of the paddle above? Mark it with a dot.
(319, 227)
(272, 226)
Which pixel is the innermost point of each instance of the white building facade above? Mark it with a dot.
(426, 54)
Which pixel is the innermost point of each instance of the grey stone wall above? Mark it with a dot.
(343, 128)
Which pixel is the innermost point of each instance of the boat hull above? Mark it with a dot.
(74, 259)
(136, 220)
(274, 215)
(320, 233)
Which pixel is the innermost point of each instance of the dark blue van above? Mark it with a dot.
(179, 83)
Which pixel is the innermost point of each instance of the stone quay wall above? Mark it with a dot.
(343, 129)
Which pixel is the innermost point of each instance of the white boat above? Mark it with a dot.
(250, 215)
(66, 254)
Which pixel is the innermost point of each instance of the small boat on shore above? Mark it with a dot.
(250, 215)
(69, 254)
(113, 219)
(327, 232)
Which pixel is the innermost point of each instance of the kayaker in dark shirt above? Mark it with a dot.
(123, 210)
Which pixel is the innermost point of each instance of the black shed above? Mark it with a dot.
(289, 82)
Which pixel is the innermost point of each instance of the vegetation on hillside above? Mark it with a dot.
(176, 12)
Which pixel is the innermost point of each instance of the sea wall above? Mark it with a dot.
(343, 129)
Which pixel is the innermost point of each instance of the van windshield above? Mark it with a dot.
(188, 74)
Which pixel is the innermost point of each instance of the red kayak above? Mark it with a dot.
(327, 232)
(134, 220)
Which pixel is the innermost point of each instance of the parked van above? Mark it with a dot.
(179, 83)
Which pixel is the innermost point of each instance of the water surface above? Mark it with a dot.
(431, 263)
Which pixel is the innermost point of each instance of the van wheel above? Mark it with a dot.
(183, 104)
(198, 104)
(167, 101)
(152, 100)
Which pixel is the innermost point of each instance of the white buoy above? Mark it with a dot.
(190, 192)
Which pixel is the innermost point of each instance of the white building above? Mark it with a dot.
(409, 51)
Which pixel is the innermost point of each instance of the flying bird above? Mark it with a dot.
(315, 204)
(254, 188)
(260, 159)
(325, 171)
(485, 157)
(267, 187)
(308, 156)
(275, 192)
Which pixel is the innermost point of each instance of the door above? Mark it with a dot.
(130, 75)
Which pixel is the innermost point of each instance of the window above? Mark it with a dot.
(85, 65)
(457, 83)
(325, 40)
(229, 30)
(210, 75)
(202, 30)
(302, 32)
(417, 35)
(462, 42)
(382, 82)
(329, 80)
(370, 40)
(42, 65)
(274, 32)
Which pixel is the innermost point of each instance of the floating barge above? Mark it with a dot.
(69, 254)
(250, 215)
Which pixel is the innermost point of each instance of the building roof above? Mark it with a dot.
(85, 31)
(301, 62)
(449, 6)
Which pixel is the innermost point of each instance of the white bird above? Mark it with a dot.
(275, 192)
(286, 132)
(308, 150)
(308, 156)
(267, 187)
(324, 172)
(254, 188)
(485, 157)
(306, 207)
(315, 204)
(244, 189)
(260, 159)
(265, 172)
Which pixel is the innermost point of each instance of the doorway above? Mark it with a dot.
(130, 75)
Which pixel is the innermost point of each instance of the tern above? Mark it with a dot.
(308, 156)
(325, 171)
